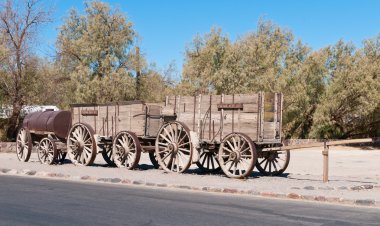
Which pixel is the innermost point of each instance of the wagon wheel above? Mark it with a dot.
(107, 154)
(24, 145)
(81, 144)
(61, 157)
(126, 150)
(208, 161)
(173, 147)
(47, 151)
(153, 159)
(273, 163)
(237, 155)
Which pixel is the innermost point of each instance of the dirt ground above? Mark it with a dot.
(354, 174)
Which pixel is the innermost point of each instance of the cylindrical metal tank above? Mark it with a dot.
(57, 122)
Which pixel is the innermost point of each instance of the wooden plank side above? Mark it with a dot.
(247, 98)
(192, 110)
(269, 130)
(131, 118)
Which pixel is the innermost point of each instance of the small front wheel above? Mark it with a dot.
(237, 155)
(108, 154)
(208, 161)
(273, 163)
(47, 151)
(126, 150)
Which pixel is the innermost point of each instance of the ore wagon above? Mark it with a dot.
(119, 131)
(234, 133)
(223, 131)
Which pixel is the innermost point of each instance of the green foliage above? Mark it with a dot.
(333, 92)
(94, 50)
(204, 58)
(350, 105)
(266, 60)
(3, 128)
(328, 93)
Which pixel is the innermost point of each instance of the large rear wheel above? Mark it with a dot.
(173, 147)
(81, 144)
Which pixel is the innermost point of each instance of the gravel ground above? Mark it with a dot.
(354, 176)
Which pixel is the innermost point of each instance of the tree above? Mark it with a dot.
(305, 76)
(95, 50)
(19, 21)
(203, 59)
(349, 106)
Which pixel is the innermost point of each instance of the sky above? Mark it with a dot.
(166, 27)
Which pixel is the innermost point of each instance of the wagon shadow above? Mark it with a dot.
(145, 167)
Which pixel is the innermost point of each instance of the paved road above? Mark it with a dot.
(32, 201)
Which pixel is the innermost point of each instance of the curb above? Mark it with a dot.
(233, 191)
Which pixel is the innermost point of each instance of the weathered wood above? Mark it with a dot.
(257, 114)
(320, 144)
(325, 154)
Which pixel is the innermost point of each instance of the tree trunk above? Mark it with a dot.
(14, 119)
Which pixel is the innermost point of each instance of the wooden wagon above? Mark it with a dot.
(119, 131)
(227, 132)
(223, 131)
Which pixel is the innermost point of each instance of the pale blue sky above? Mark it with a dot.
(167, 26)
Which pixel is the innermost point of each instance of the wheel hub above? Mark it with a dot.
(124, 150)
(235, 156)
(173, 147)
(272, 156)
(79, 145)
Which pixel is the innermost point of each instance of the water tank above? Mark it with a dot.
(57, 122)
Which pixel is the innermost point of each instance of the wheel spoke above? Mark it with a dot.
(184, 150)
(181, 145)
(231, 146)
(166, 156)
(169, 136)
(165, 138)
(226, 149)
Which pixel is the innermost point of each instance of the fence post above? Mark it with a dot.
(325, 154)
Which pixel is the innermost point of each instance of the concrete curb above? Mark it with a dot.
(233, 191)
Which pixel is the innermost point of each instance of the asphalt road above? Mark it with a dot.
(32, 201)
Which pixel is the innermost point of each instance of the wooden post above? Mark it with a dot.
(325, 154)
